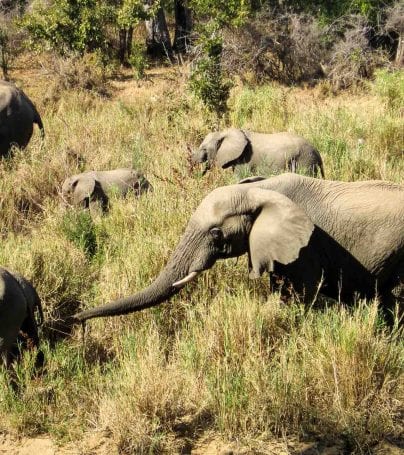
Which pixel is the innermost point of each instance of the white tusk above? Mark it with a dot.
(187, 279)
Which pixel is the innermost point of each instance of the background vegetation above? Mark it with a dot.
(223, 357)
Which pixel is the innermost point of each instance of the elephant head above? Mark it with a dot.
(82, 189)
(229, 222)
(222, 147)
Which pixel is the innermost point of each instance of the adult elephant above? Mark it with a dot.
(17, 116)
(276, 152)
(345, 240)
(18, 303)
(93, 186)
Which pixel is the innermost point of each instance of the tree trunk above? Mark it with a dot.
(129, 39)
(183, 25)
(399, 60)
(158, 40)
(122, 46)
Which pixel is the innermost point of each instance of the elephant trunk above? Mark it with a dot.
(169, 282)
(159, 291)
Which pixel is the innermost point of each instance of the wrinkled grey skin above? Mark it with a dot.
(343, 239)
(18, 303)
(93, 186)
(17, 116)
(279, 152)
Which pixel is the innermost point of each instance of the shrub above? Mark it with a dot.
(79, 228)
(85, 72)
(352, 57)
(394, 26)
(206, 80)
(284, 47)
(138, 61)
(10, 39)
(67, 26)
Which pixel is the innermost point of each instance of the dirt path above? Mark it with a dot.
(208, 444)
(93, 444)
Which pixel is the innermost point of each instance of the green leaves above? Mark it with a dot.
(130, 12)
(69, 25)
(207, 81)
(224, 12)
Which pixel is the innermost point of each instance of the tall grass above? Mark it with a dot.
(223, 355)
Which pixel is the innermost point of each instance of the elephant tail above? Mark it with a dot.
(38, 121)
(37, 118)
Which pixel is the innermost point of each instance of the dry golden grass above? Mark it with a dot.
(223, 356)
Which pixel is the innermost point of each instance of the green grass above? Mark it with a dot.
(223, 355)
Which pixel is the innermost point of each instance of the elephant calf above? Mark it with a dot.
(93, 186)
(17, 116)
(278, 152)
(18, 303)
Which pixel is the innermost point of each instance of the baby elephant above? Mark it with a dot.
(18, 303)
(278, 151)
(17, 116)
(92, 187)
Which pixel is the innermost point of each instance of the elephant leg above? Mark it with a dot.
(302, 279)
(30, 339)
(392, 306)
(392, 299)
(292, 165)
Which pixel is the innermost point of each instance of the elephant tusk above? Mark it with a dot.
(187, 279)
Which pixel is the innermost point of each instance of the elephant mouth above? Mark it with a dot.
(191, 276)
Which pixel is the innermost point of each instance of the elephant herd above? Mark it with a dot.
(343, 240)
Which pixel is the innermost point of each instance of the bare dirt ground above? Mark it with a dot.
(209, 444)
(94, 444)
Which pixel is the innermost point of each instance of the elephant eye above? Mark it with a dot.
(216, 233)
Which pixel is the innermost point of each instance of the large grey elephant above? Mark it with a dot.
(93, 186)
(17, 116)
(277, 152)
(345, 240)
(19, 302)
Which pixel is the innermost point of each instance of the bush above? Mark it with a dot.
(85, 72)
(287, 48)
(10, 39)
(65, 26)
(138, 61)
(79, 228)
(295, 47)
(206, 80)
(352, 58)
(394, 26)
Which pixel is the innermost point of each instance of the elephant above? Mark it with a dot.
(17, 116)
(345, 240)
(278, 152)
(92, 187)
(18, 303)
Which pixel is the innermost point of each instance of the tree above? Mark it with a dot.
(395, 26)
(129, 14)
(69, 25)
(183, 25)
(158, 40)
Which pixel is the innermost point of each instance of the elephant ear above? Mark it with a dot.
(83, 189)
(230, 147)
(280, 230)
